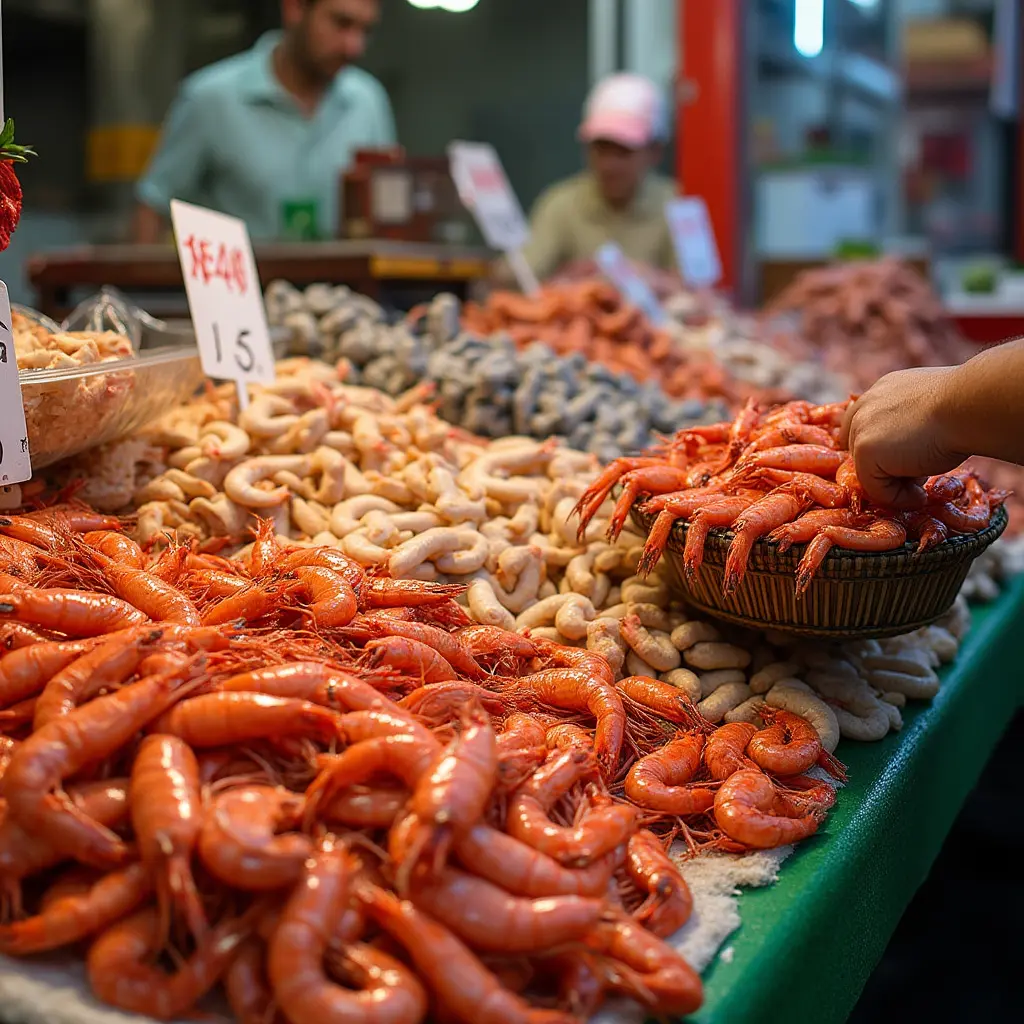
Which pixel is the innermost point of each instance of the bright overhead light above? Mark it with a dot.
(452, 6)
(809, 27)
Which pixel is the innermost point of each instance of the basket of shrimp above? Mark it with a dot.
(764, 522)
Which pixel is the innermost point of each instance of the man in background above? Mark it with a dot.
(266, 135)
(618, 198)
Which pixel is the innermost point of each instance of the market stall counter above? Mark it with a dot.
(808, 943)
(374, 267)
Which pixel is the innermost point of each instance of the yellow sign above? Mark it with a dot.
(120, 152)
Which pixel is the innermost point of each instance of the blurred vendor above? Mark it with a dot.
(267, 134)
(618, 198)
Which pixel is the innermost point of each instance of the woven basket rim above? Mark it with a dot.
(765, 557)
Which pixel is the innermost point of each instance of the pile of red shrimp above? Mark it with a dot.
(590, 317)
(335, 796)
(779, 474)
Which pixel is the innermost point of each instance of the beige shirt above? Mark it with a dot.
(571, 221)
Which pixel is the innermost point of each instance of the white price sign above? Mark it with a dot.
(485, 191)
(694, 241)
(634, 289)
(224, 296)
(15, 463)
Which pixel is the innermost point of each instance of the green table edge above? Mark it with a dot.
(808, 944)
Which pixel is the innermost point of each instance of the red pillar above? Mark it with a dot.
(710, 128)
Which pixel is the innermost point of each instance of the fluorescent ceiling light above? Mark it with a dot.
(452, 6)
(809, 27)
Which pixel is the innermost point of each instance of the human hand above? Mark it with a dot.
(898, 434)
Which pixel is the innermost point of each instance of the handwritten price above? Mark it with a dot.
(210, 262)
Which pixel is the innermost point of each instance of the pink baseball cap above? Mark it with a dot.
(624, 108)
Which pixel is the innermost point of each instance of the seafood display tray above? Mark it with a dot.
(68, 411)
(854, 594)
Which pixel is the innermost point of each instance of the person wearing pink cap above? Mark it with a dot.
(618, 198)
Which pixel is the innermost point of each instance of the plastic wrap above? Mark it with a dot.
(71, 410)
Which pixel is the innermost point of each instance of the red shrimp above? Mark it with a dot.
(104, 667)
(682, 503)
(465, 989)
(846, 477)
(524, 871)
(725, 747)
(411, 658)
(659, 780)
(827, 493)
(77, 915)
(160, 601)
(577, 690)
(493, 920)
(387, 992)
(122, 973)
(439, 703)
(788, 745)
(718, 515)
(650, 480)
(755, 811)
(810, 524)
(739, 434)
(639, 964)
(166, 816)
(779, 506)
(46, 530)
(314, 681)
(661, 698)
(567, 735)
(798, 458)
(377, 625)
(881, 535)
(116, 546)
(669, 904)
(57, 751)
(247, 838)
(365, 807)
(928, 531)
(25, 671)
(14, 636)
(329, 558)
(332, 600)
(402, 755)
(595, 495)
(225, 718)
(599, 832)
(247, 986)
(72, 612)
(382, 592)
(452, 794)
(252, 603)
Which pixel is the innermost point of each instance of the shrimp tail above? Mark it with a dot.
(831, 764)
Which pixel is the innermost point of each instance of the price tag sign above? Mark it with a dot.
(15, 463)
(635, 290)
(485, 191)
(694, 241)
(224, 296)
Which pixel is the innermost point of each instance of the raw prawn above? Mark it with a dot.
(166, 816)
(788, 745)
(381, 592)
(595, 495)
(575, 690)
(378, 626)
(660, 780)
(810, 524)
(753, 810)
(669, 904)
(650, 480)
(797, 458)
(599, 831)
(65, 746)
(72, 612)
(387, 992)
(25, 671)
(661, 698)
(720, 515)
(246, 839)
(465, 989)
(314, 681)
(724, 751)
(827, 493)
(770, 512)
(332, 600)
(881, 535)
(410, 657)
(122, 974)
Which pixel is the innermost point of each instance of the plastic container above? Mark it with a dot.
(71, 410)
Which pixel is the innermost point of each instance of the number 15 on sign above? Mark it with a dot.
(224, 296)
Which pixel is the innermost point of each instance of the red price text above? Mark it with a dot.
(214, 261)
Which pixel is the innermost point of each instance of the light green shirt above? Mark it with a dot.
(571, 221)
(236, 141)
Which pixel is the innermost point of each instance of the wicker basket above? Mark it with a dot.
(854, 595)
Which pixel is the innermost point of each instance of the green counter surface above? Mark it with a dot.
(808, 944)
